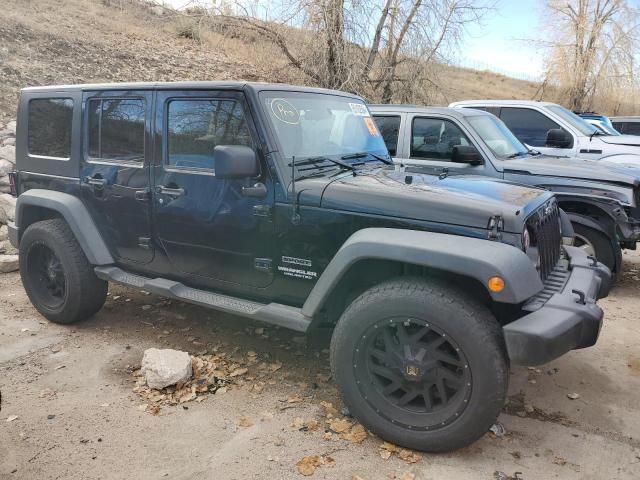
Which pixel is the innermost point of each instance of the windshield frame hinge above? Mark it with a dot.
(495, 227)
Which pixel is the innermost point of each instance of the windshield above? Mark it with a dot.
(605, 128)
(574, 120)
(321, 125)
(497, 136)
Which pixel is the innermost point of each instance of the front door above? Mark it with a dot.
(211, 229)
(429, 143)
(531, 127)
(115, 170)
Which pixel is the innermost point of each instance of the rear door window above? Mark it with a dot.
(529, 126)
(389, 127)
(434, 138)
(49, 127)
(628, 128)
(116, 129)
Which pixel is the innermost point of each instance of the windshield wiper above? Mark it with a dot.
(516, 155)
(595, 133)
(380, 158)
(315, 160)
(533, 153)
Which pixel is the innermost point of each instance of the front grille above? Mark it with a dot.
(544, 229)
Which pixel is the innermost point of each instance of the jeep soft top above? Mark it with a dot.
(279, 204)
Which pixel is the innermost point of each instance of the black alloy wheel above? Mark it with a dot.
(413, 371)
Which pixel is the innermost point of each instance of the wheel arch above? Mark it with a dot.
(37, 204)
(381, 253)
(584, 212)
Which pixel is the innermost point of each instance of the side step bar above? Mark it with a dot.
(274, 313)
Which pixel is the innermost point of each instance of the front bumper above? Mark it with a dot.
(567, 320)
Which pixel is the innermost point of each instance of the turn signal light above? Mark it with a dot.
(495, 284)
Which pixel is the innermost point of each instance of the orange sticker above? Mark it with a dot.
(371, 126)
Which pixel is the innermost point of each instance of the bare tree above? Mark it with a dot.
(592, 52)
(384, 50)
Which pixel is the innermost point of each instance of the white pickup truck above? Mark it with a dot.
(553, 130)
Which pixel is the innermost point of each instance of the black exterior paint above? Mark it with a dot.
(214, 237)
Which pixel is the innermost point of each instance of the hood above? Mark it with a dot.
(578, 168)
(629, 140)
(461, 200)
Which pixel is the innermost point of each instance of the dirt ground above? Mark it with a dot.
(71, 389)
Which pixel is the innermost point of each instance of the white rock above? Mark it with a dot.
(9, 141)
(7, 249)
(3, 216)
(4, 233)
(8, 204)
(8, 152)
(5, 167)
(162, 368)
(11, 126)
(9, 263)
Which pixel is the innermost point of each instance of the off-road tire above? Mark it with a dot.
(463, 321)
(607, 250)
(83, 293)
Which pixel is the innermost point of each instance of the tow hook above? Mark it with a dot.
(580, 294)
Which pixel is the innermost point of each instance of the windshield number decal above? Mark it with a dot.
(359, 109)
(284, 111)
(371, 126)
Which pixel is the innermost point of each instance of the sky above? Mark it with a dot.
(502, 42)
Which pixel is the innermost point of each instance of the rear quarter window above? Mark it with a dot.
(49, 127)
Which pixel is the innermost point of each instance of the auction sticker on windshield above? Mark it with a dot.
(285, 112)
(359, 109)
(371, 126)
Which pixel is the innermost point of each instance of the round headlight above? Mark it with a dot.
(526, 239)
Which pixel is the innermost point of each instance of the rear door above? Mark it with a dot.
(115, 170)
(209, 227)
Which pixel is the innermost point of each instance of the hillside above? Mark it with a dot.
(74, 41)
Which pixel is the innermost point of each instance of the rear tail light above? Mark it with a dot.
(13, 183)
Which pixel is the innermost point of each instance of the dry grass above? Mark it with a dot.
(75, 41)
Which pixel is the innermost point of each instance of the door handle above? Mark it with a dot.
(172, 192)
(142, 195)
(96, 181)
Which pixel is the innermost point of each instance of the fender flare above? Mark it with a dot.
(472, 257)
(75, 214)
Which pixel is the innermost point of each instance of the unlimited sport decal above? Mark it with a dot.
(296, 271)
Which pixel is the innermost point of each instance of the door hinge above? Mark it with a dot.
(262, 264)
(262, 210)
(144, 242)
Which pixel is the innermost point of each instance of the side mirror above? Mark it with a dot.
(235, 162)
(558, 138)
(466, 154)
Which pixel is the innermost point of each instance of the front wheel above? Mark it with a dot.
(420, 364)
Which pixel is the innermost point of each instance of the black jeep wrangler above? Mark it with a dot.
(280, 204)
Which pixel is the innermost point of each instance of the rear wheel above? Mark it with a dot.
(599, 245)
(420, 364)
(56, 274)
